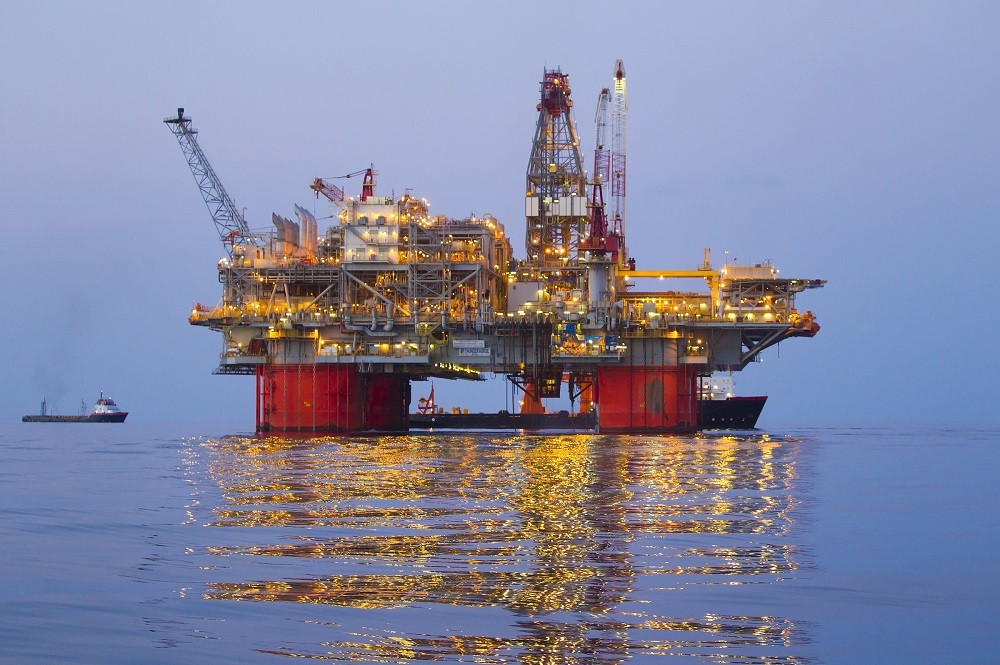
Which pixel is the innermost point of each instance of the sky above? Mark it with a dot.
(855, 142)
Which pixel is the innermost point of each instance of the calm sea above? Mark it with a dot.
(132, 544)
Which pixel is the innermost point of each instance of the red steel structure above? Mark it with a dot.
(329, 398)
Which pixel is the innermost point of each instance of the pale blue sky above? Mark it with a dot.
(855, 142)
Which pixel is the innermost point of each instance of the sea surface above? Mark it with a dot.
(153, 544)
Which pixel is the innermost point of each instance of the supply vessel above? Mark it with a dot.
(336, 323)
(718, 408)
(105, 411)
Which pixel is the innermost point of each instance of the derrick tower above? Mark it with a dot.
(556, 192)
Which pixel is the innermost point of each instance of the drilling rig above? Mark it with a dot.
(335, 324)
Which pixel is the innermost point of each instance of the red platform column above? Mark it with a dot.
(586, 399)
(387, 402)
(329, 399)
(531, 403)
(637, 399)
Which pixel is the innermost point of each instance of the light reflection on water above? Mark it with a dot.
(556, 549)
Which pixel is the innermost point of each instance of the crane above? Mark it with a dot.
(336, 195)
(331, 191)
(229, 222)
(619, 106)
(597, 240)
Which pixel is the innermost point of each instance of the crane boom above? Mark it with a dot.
(328, 189)
(596, 241)
(619, 107)
(336, 194)
(230, 224)
(601, 161)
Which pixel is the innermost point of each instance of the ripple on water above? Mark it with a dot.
(551, 548)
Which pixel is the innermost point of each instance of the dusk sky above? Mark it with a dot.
(855, 142)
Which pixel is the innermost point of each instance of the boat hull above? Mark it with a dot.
(92, 418)
(562, 420)
(731, 413)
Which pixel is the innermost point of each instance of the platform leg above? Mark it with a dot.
(643, 399)
(329, 399)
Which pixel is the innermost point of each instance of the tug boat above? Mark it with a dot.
(105, 411)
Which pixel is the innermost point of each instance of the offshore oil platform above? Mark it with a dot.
(335, 324)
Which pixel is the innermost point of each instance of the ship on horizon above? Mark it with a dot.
(105, 411)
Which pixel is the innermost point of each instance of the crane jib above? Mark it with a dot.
(229, 222)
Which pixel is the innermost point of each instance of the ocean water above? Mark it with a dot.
(138, 544)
